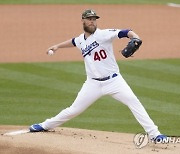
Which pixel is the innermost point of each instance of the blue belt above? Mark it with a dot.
(106, 78)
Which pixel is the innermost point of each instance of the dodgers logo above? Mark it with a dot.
(87, 50)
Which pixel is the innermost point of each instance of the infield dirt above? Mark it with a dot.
(26, 31)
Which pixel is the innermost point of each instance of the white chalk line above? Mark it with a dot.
(18, 132)
(173, 5)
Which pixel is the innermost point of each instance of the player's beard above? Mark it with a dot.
(89, 29)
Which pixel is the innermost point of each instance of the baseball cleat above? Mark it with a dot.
(159, 138)
(36, 128)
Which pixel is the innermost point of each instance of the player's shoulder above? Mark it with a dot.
(107, 31)
(111, 30)
(80, 37)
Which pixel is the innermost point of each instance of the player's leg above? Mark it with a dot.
(126, 96)
(88, 94)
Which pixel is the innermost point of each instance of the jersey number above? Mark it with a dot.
(100, 55)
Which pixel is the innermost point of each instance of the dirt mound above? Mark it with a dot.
(75, 141)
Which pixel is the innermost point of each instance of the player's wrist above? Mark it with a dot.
(51, 51)
(54, 48)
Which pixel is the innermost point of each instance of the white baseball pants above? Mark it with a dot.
(92, 90)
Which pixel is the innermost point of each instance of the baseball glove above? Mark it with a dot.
(132, 47)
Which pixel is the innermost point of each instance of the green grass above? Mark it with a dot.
(32, 92)
(88, 1)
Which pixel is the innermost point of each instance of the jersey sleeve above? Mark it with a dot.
(110, 34)
(73, 42)
(76, 41)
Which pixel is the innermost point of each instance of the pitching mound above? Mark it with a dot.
(75, 141)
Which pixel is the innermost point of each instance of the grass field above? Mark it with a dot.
(88, 1)
(32, 92)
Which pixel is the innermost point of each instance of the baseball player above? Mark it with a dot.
(103, 75)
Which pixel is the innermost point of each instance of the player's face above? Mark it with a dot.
(89, 25)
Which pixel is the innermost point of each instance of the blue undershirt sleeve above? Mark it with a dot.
(73, 42)
(123, 33)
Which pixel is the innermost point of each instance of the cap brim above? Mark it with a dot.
(97, 17)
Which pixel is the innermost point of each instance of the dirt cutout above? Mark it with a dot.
(26, 31)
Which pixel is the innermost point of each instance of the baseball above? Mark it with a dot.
(50, 52)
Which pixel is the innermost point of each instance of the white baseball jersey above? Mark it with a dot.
(97, 51)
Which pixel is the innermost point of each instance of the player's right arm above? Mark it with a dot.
(65, 44)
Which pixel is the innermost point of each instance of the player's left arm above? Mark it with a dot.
(132, 34)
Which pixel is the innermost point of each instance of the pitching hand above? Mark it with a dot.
(52, 50)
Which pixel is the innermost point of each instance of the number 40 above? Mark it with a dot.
(100, 55)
